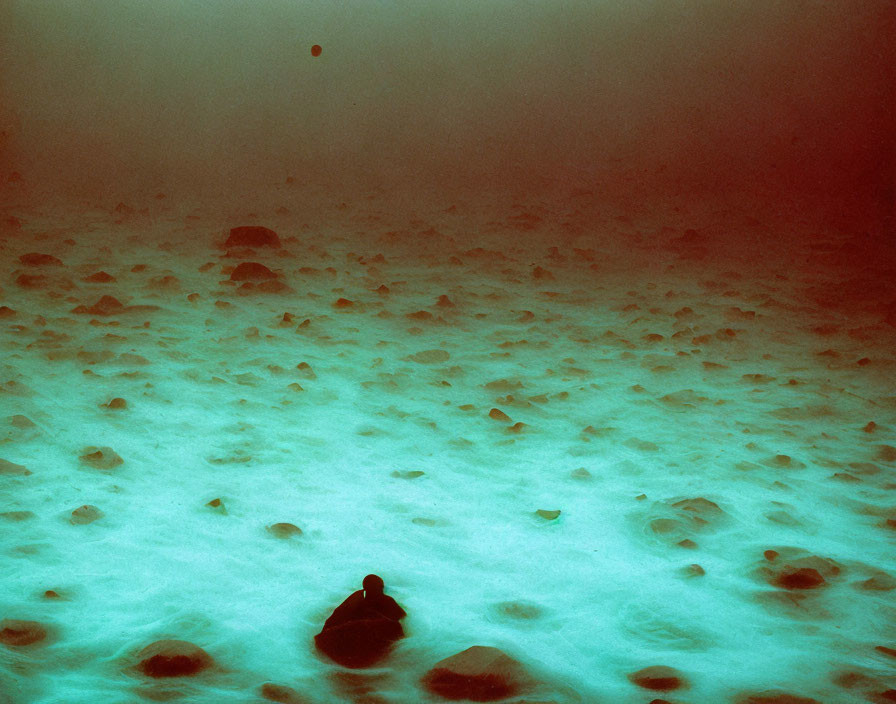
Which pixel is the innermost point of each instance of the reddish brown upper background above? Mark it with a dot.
(638, 98)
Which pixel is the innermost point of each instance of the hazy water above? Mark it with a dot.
(657, 237)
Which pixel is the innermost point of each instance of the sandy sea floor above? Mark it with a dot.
(567, 430)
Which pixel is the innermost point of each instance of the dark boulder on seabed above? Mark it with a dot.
(252, 236)
(479, 674)
(17, 633)
(361, 643)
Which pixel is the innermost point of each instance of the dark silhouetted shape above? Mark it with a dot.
(363, 628)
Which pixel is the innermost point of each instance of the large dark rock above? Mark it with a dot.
(18, 633)
(798, 578)
(173, 658)
(252, 236)
(658, 678)
(479, 674)
(359, 643)
(795, 569)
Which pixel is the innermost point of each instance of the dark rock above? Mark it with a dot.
(107, 305)
(880, 582)
(845, 477)
(665, 526)
(774, 697)
(18, 633)
(419, 315)
(306, 370)
(359, 643)
(850, 679)
(284, 530)
(251, 271)
(694, 570)
(658, 678)
(101, 457)
(479, 673)
(85, 514)
(699, 506)
(673, 522)
(173, 658)
(21, 422)
(31, 280)
(406, 474)
(100, 277)
(252, 236)
(217, 505)
(164, 283)
(11, 468)
(794, 568)
(886, 453)
(798, 578)
(548, 514)
(17, 515)
(36, 259)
